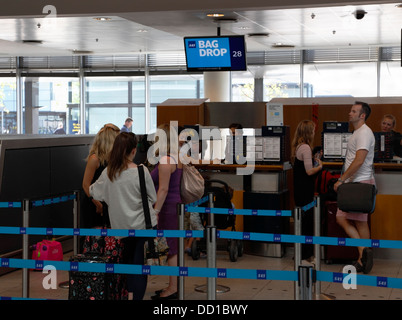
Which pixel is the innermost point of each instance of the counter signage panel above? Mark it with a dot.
(220, 53)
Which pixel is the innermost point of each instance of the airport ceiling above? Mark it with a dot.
(53, 34)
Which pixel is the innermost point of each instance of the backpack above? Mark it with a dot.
(324, 184)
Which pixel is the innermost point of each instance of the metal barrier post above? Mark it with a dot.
(211, 218)
(25, 249)
(211, 260)
(305, 280)
(76, 217)
(317, 250)
(180, 256)
(210, 236)
(297, 247)
(317, 247)
(211, 249)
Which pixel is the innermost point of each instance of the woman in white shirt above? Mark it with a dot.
(119, 187)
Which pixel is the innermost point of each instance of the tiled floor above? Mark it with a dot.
(239, 289)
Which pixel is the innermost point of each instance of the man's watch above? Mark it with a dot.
(341, 181)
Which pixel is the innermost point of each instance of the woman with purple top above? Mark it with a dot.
(167, 177)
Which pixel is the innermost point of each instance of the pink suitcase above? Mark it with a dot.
(47, 250)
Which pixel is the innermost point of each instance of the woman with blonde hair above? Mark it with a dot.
(304, 174)
(388, 124)
(93, 211)
(167, 176)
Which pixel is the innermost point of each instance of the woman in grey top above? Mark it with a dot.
(119, 187)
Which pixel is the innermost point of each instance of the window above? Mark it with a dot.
(390, 79)
(8, 114)
(113, 99)
(175, 87)
(242, 86)
(342, 79)
(283, 81)
(49, 104)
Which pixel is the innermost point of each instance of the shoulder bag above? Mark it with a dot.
(192, 184)
(155, 249)
(356, 197)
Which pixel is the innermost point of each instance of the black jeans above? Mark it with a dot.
(134, 254)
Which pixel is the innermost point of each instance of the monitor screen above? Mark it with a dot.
(220, 53)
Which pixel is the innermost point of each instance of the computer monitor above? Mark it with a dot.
(383, 149)
(334, 145)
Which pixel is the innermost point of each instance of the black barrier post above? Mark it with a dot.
(180, 256)
(25, 248)
(297, 247)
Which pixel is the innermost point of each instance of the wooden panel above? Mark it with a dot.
(293, 114)
(386, 222)
(185, 115)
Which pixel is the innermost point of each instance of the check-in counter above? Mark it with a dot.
(266, 188)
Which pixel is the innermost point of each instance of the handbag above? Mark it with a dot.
(192, 184)
(155, 249)
(356, 197)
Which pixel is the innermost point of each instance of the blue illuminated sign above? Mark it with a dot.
(215, 53)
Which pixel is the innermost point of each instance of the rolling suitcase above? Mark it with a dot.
(97, 285)
(89, 285)
(336, 254)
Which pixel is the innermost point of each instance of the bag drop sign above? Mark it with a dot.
(210, 48)
(215, 53)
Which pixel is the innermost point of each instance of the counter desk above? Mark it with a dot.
(266, 188)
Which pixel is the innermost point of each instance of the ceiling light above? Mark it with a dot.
(102, 19)
(215, 15)
(258, 34)
(33, 41)
(225, 20)
(82, 52)
(282, 45)
(142, 30)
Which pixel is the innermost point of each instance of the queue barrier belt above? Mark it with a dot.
(237, 235)
(10, 204)
(38, 203)
(245, 212)
(252, 274)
